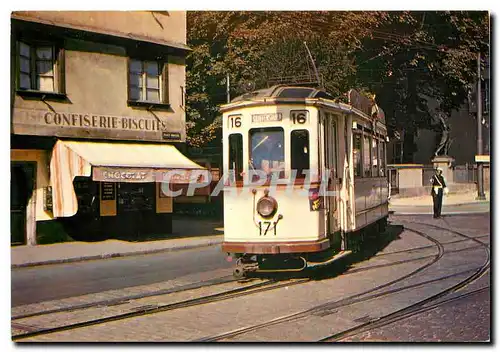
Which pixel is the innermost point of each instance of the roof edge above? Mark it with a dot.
(131, 36)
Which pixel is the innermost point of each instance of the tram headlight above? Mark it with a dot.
(267, 206)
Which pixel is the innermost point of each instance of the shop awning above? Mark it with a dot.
(109, 162)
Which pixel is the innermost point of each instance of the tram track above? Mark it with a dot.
(333, 307)
(186, 287)
(271, 285)
(259, 287)
(399, 315)
(124, 299)
(152, 309)
(427, 303)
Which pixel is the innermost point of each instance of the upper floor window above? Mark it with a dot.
(38, 68)
(147, 81)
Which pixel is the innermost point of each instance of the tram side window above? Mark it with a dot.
(375, 163)
(381, 153)
(366, 157)
(236, 155)
(356, 152)
(300, 151)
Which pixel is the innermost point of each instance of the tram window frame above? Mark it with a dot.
(293, 159)
(357, 165)
(381, 156)
(235, 148)
(335, 148)
(282, 172)
(366, 155)
(374, 156)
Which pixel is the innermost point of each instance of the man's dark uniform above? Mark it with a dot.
(438, 185)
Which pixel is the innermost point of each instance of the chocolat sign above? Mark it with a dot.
(123, 175)
(89, 125)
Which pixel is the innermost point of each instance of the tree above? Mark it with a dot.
(403, 57)
(417, 55)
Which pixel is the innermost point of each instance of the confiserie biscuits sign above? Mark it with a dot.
(89, 125)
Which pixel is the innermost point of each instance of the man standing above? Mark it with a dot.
(438, 188)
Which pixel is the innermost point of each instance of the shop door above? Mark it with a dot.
(22, 183)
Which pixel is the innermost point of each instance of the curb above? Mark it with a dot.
(117, 255)
(394, 212)
(448, 205)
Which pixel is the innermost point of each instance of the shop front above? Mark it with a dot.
(102, 189)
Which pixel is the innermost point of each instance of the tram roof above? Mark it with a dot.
(281, 91)
(291, 93)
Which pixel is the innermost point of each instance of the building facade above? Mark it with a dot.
(97, 110)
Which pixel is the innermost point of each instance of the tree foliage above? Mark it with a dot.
(403, 57)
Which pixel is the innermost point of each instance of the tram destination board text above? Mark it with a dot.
(271, 117)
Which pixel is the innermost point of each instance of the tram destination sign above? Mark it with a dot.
(270, 117)
(92, 125)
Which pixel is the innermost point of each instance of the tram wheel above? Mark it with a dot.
(238, 273)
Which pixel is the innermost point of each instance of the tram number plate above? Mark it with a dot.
(267, 226)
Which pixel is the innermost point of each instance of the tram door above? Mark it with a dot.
(331, 157)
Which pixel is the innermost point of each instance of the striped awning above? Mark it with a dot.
(109, 162)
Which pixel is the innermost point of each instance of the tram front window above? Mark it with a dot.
(267, 150)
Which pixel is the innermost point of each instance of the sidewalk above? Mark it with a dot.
(193, 236)
(453, 203)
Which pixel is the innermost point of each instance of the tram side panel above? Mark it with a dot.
(371, 200)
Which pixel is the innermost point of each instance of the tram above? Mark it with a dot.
(306, 177)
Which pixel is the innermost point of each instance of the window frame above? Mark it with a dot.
(164, 102)
(367, 170)
(300, 175)
(238, 175)
(355, 167)
(374, 156)
(283, 173)
(382, 157)
(58, 69)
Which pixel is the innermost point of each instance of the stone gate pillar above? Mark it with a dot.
(444, 162)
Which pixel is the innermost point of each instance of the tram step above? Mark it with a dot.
(331, 260)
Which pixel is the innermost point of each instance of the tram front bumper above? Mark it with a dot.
(275, 247)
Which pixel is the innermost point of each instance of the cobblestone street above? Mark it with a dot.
(301, 311)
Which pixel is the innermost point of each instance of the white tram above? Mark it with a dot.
(278, 222)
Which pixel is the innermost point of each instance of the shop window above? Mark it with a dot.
(236, 156)
(356, 151)
(366, 157)
(40, 68)
(147, 81)
(300, 152)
